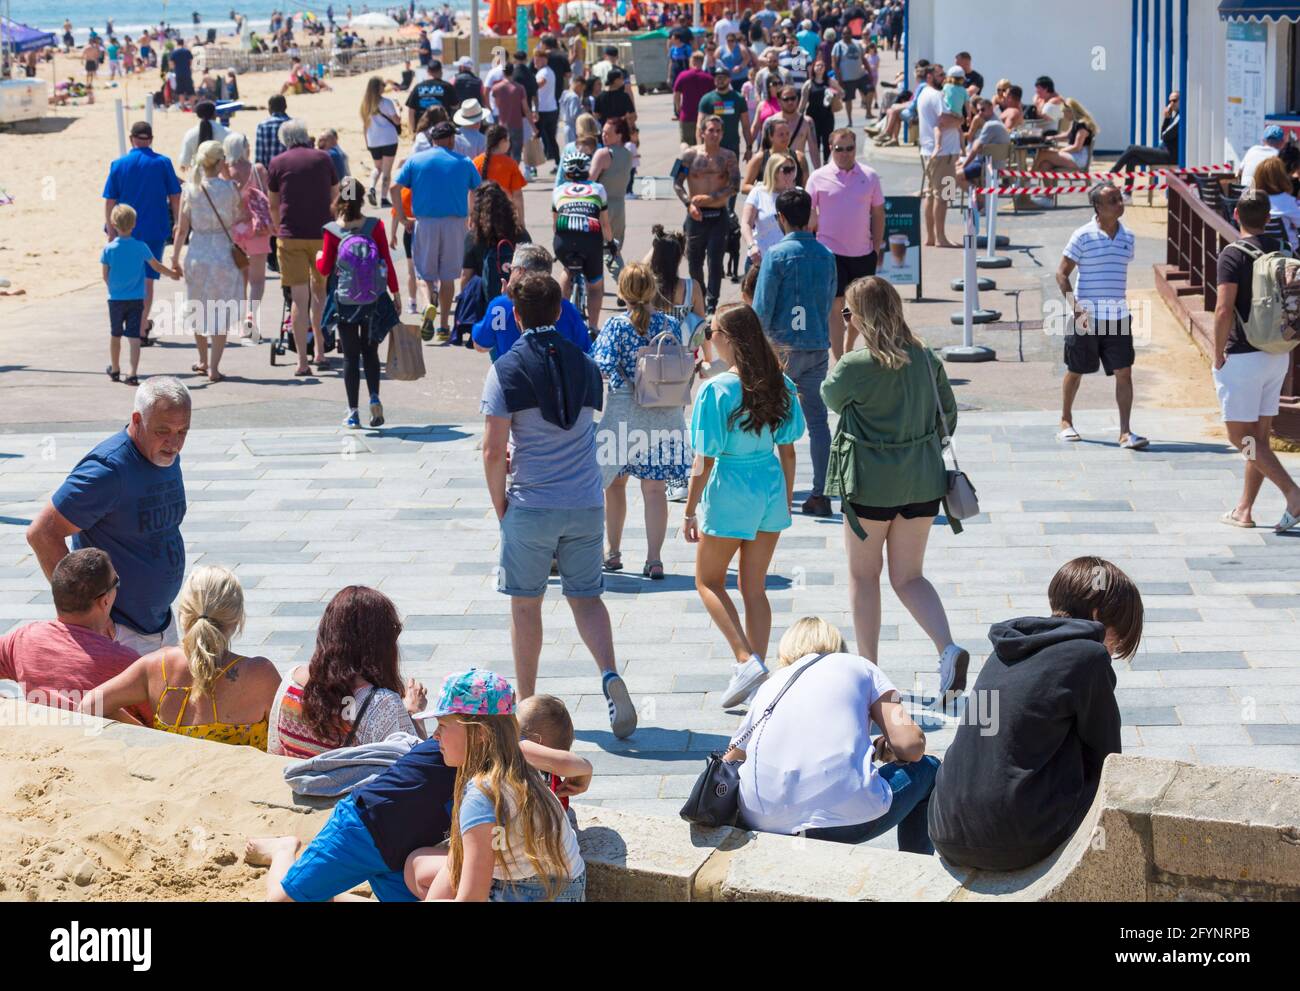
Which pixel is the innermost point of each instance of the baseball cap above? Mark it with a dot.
(464, 62)
(956, 70)
(1273, 132)
(721, 70)
(611, 49)
(141, 129)
(442, 129)
(474, 693)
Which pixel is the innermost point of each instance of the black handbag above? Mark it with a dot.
(715, 798)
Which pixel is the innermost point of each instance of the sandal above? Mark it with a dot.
(216, 377)
(654, 570)
(114, 375)
(614, 562)
(303, 372)
(132, 380)
(1230, 518)
(1287, 521)
(201, 369)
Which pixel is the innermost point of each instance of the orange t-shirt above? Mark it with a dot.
(503, 171)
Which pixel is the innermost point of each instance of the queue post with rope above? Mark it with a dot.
(990, 260)
(971, 313)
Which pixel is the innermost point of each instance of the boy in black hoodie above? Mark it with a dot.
(1006, 800)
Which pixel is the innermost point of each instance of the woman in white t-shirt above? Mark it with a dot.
(809, 769)
(383, 126)
(758, 219)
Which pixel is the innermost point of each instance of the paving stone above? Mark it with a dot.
(1274, 734)
(1184, 661)
(1152, 715)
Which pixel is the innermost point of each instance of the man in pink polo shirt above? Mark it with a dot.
(850, 208)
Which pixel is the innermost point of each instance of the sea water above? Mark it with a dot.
(133, 16)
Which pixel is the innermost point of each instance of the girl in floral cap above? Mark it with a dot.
(510, 840)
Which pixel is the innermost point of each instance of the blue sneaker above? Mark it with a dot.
(622, 713)
(353, 420)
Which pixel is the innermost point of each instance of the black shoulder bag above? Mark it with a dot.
(715, 799)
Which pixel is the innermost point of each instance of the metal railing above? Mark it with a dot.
(340, 61)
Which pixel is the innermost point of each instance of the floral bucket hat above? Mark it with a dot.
(475, 693)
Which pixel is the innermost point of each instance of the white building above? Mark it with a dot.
(1235, 62)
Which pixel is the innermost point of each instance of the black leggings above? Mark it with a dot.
(823, 125)
(1139, 155)
(357, 346)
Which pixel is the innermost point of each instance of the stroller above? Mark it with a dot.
(285, 343)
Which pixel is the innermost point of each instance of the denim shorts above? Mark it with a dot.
(532, 890)
(532, 538)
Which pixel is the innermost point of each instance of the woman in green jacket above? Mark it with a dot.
(887, 467)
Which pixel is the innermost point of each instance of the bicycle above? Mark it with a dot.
(573, 264)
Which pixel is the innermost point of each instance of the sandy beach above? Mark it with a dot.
(55, 168)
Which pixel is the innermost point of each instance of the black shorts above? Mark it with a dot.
(1110, 346)
(909, 511)
(406, 241)
(91, 65)
(860, 85)
(125, 316)
(382, 152)
(850, 267)
(586, 249)
(184, 87)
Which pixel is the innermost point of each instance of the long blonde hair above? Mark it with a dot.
(370, 102)
(876, 306)
(211, 614)
(523, 804)
(637, 286)
(1081, 116)
(774, 164)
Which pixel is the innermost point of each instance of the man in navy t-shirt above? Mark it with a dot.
(127, 497)
(145, 181)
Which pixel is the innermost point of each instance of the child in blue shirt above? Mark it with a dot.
(125, 260)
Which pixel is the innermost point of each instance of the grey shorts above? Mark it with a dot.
(531, 538)
(438, 247)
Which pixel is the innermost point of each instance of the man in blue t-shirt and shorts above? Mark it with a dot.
(440, 182)
(145, 181)
(127, 497)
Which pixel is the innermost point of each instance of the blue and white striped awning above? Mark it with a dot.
(1259, 10)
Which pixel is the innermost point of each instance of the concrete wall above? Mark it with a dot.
(1158, 831)
(1024, 39)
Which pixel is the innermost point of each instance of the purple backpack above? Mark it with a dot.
(360, 274)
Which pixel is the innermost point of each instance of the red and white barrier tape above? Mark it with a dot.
(1046, 190)
(1129, 176)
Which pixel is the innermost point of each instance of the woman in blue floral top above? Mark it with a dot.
(626, 430)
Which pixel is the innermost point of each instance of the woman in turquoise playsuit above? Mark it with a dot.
(743, 430)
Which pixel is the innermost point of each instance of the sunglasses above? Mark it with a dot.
(788, 170)
(844, 147)
(847, 314)
(788, 99)
(709, 331)
(117, 580)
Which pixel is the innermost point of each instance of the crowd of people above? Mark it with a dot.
(695, 399)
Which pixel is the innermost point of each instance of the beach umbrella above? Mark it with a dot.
(581, 9)
(374, 20)
(501, 17)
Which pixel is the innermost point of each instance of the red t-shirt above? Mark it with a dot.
(57, 664)
(330, 252)
(511, 101)
(693, 84)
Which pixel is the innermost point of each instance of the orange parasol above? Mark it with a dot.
(501, 16)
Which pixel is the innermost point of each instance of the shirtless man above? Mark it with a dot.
(707, 179)
(90, 54)
(802, 136)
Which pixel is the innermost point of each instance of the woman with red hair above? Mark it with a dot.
(351, 692)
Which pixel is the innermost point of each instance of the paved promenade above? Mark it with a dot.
(299, 514)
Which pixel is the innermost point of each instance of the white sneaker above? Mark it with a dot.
(744, 679)
(677, 491)
(412, 306)
(953, 663)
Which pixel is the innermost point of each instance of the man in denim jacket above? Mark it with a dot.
(796, 287)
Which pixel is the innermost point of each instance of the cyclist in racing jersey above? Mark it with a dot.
(582, 229)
